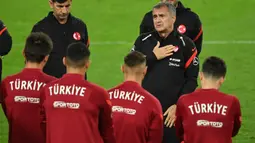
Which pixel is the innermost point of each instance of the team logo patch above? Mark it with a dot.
(77, 36)
(176, 48)
(182, 29)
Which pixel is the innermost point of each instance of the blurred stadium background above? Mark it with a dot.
(113, 26)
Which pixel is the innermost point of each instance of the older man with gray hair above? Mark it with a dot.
(187, 23)
(172, 64)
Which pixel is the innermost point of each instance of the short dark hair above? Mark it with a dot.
(134, 59)
(77, 54)
(171, 8)
(38, 46)
(214, 67)
(59, 1)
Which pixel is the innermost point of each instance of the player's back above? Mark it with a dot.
(209, 116)
(73, 108)
(137, 115)
(21, 97)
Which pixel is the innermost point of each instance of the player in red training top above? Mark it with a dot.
(20, 93)
(75, 110)
(208, 115)
(137, 115)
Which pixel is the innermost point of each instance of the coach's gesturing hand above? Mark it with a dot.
(170, 113)
(163, 52)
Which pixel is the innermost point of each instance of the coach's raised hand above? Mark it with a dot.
(163, 52)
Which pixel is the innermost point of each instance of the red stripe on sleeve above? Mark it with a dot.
(2, 31)
(191, 59)
(88, 42)
(199, 34)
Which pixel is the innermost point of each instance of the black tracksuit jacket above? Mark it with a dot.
(5, 43)
(62, 35)
(169, 78)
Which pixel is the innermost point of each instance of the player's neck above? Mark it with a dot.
(133, 78)
(79, 71)
(166, 32)
(208, 84)
(30, 65)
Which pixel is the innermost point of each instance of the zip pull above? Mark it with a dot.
(182, 41)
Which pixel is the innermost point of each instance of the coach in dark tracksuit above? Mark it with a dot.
(172, 63)
(5, 44)
(64, 29)
(187, 23)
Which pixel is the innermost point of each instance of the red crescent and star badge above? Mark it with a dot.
(182, 29)
(77, 36)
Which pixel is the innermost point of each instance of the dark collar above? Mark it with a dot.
(53, 18)
(172, 34)
(180, 8)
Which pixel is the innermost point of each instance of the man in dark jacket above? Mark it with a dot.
(5, 44)
(172, 63)
(64, 29)
(187, 23)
